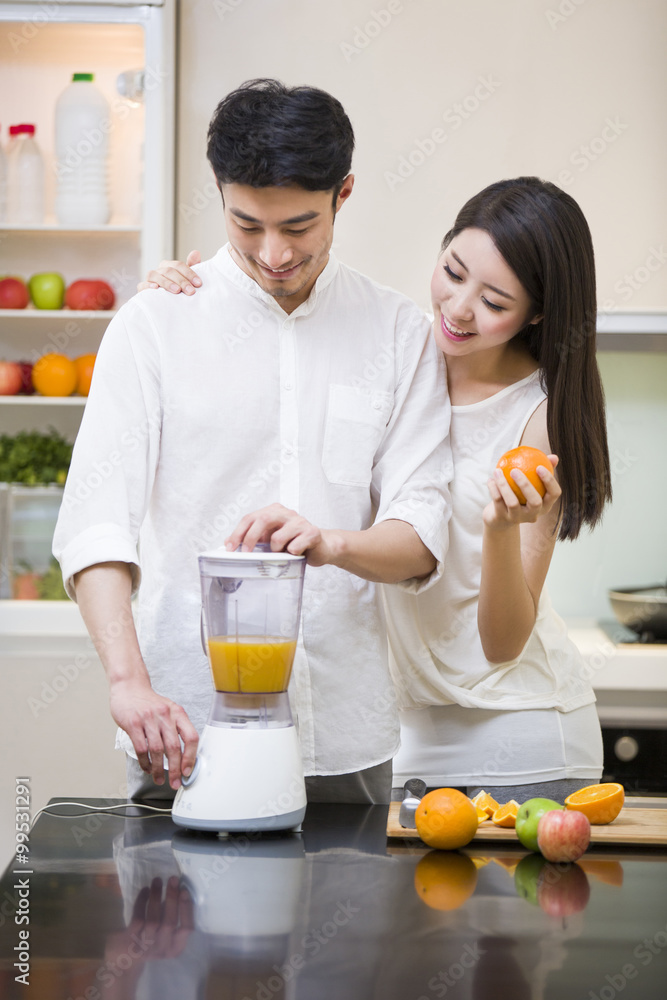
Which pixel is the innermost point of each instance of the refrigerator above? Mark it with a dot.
(130, 49)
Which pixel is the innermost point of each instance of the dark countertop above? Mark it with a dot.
(336, 912)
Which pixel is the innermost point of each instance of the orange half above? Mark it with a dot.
(600, 803)
(484, 801)
(505, 815)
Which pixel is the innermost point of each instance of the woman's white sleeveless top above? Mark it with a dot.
(435, 650)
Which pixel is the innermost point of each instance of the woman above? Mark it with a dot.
(492, 692)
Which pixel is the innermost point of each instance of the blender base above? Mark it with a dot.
(244, 780)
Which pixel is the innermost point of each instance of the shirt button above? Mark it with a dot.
(377, 405)
(288, 385)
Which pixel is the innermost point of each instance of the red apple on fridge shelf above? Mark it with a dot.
(11, 378)
(562, 889)
(90, 294)
(27, 389)
(13, 294)
(563, 834)
(47, 290)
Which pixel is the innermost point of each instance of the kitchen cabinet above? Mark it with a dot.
(38, 55)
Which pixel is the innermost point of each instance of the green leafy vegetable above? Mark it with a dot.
(34, 459)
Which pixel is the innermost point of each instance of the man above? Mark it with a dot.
(287, 383)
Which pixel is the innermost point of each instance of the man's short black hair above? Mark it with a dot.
(265, 134)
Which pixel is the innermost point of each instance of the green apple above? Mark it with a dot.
(528, 817)
(47, 290)
(526, 876)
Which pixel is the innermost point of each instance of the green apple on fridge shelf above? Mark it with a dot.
(528, 817)
(47, 290)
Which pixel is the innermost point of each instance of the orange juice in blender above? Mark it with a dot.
(251, 663)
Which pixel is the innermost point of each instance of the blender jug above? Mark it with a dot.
(248, 774)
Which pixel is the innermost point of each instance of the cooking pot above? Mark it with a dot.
(642, 609)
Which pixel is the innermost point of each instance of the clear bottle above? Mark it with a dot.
(25, 177)
(82, 123)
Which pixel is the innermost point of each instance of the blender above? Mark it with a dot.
(248, 775)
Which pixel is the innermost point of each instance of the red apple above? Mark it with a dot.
(91, 294)
(562, 889)
(27, 389)
(11, 378)
(563, 834)
(13, 294)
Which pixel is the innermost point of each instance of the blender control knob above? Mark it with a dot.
(193, 774)
(626, 748)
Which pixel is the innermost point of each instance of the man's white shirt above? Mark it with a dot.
(204, 408)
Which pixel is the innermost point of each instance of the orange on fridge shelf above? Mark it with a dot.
(505, 815)
(446, 818)
(526, 460)
(600, 803)
(445, 881)
(84, 365)
(486, 802)
(54, 375)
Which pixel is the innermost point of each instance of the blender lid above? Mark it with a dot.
(258, 554)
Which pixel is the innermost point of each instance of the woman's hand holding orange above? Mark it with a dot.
(505, 509)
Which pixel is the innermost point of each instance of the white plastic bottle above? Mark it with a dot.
(25, 177)
(3, 185)
(83, 123)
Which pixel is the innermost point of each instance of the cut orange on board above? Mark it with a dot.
(445, 881)
(486, 802)
(600, 803)
(526, 460)
(505, 815)
(482, 815)
(446, 818)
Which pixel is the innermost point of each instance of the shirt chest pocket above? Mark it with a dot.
(354, 427)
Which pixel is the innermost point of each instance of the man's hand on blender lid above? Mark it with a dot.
(174, 275)
(285, 530)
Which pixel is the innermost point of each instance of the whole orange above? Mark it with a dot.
(84, 372)
(54, 375)
(526, 460)
(445, 881)
(446, 818)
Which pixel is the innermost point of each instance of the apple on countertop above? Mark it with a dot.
(563, 834)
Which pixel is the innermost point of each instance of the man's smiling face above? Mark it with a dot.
(281, 236)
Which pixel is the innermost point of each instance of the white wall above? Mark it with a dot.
(579, 98)
(56, 730)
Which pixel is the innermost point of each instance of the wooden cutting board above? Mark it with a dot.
(631, 826)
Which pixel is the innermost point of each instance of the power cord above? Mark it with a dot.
(88, 811)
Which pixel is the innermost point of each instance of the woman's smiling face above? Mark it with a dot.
(478, 301)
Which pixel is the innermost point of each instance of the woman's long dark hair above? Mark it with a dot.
(543, 236)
